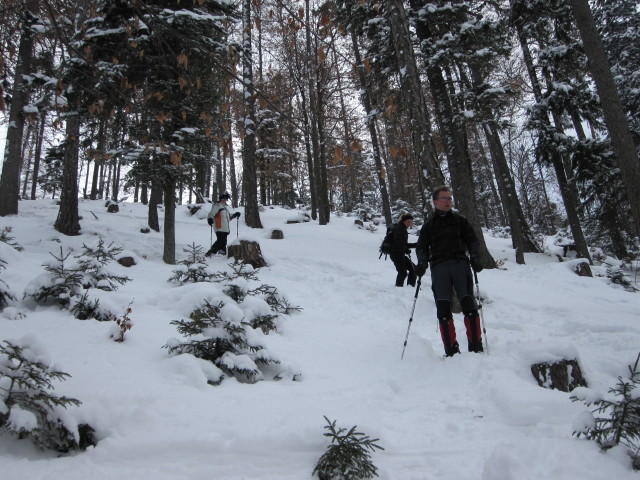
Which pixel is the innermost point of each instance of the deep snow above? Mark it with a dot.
(468, 417)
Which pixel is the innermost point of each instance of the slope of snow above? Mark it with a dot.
(468, 417)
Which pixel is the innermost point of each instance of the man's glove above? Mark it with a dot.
(236, 215)
(420, 269)
(210, 220)
(476, 264)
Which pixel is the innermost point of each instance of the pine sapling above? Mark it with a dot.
(5, 237)
(27, 408)
(62, 284)
(92, 262)
(277, 302)
(617, 421)
(225, 343)
(347, 457)
(5, 294)
(195, 268)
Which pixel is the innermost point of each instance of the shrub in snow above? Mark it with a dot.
(27, 406)
(64, 282)
(216, 336)
(400, 207)
(347, 457)
(58, 285)
(193, 269)
(5, 294)
(122, 325)
(92, 262)
(5, 237)
(365, 212)
(617, 275)
(618, 419)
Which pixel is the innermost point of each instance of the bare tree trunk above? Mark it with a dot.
(252, 213)
(98, 160)
(169, 250)
(315, 115)
(27, 151)
(154, 199)
(414, 97)
(38, 155)
(366, 102)
(520, 233)
(10, 179)
(614, 116)
(68, 221)
(456, 150)
(568, 195)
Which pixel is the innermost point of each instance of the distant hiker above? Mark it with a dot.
(400, 249)
(445, 239)
(219, 217)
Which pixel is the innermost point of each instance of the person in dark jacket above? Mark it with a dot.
(445, 239)
(400, 249)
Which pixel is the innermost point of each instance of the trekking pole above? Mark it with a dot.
(211, 236)
(479, 298)
(415, 299)
(237, 226)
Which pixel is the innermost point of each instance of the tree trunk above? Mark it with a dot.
(315, 118)
(568, 195)
(10, 179)
(614, 116)
(456, 150)
(38, 155)
(250, 186)
(414, 98)
(522, 237)
(366, 102)
(98, 160)
(169, 251)
(68, 222)
(154, 200)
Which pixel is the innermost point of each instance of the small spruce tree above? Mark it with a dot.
(27, 407)
(347, 457)
(194, 269)
(92, 262)
(60, 286)
(225, 342)
(5, 237)
(5, 294)
(618, 419)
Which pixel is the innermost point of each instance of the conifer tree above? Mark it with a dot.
(27, 406)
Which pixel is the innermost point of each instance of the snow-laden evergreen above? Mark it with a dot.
(473, 416)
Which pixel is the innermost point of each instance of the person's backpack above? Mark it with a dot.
(385, 246)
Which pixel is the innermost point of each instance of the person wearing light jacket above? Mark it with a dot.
(219, 217)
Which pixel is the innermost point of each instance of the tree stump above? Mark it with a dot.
(277, 234)
(583, 269)
(563, 375)
(247, 252)
(127, 261)
(113, 208)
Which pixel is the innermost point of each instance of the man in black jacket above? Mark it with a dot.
(445, 239)
(400, 248)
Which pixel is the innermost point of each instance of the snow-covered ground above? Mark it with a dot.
(473, 416)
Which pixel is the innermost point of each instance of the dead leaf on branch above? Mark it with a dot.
(322, 54)
(183, 60)
(367, 65)
(176, 158)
